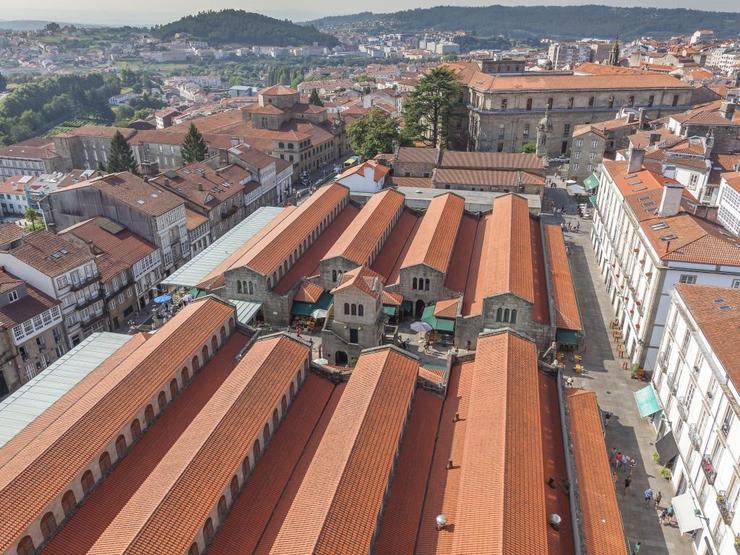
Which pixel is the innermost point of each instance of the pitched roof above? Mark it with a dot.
(50, 254)
(199, 466)
(108, 237)
(375, 168)
(368, 229)
(202, 185)
(447, 308)
(308, 292)
(338, 506)
(363, 279)
(601, 519)
(137, 193)
(417, 155)
(278, 90)
(433, 243)
(485, 178)
(41, 471)
(33, 149)
(564, 293)
(32, 304)
(10, 233)
(708, 306)
(458, 159)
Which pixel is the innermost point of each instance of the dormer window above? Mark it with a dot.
(13, 296)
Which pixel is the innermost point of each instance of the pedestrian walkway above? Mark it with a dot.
(626, 430)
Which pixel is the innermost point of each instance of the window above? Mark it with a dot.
(525, 133)
(88, 482)
(26, 547)
(590, 101)
(360, 310)
(675, 100)
(501, 131)
(570, 103)
(693, 180)
(687, 278)
(529, 104)
(549, 103)
(13, 296)
(685, 341)
(499, 314)
(736, 283)
(651, 100)
(353, 309)
(631, 101)
(69, 503)
(566, 130)
(504, 103)
(104, 463)
(48, 526)
(577, 155)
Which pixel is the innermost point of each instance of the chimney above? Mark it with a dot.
(671, 200)
(635, 157)
(727, 109)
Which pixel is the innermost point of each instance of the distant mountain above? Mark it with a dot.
(240, 27)
(551, 21)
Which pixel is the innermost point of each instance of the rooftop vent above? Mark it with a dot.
(441, 521)
(554, 521)
(669, 237)
(140, 201)
(725, 307)
(659, 225)
(719, 301)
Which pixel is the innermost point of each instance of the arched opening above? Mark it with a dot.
(251, 287)
(48, 526)
(506, 315)
(136, 429)
(161, 401)
(257, 450)
(69, 503)
(346, 308)
(223, 335)
(231, 325)
(88, 482)
(185, 375)
(499, 313)
(234, 488)
(238, 286)
(266, 433)
(334, 276)
(104, 463)
(292, 391)
(340, 358)
(353, 308)
(246, 468)
(426, 284)
(222, 509)
(284, 404)
(194, 550)
(513, 316)
(208, 531)
(174, 388)
(419, 308)
(204, 354)
(149, 415)
(121, 446)
(360, 310)
(195, 363)
(214, 344)
(26, 547)
(413, 284)
(275, 419)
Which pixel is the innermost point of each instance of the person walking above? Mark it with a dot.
(636, 549)
(648, 495)
(658, 499)
(618, 458)
(614, 457)
(627, 483)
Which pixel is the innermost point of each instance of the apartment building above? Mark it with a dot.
(65, 272)
(592, 142)
(697, 380)
(31, 157)
(729, 202)
(273, 176)
(645, 244)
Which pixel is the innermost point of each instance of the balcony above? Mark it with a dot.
(93, 319)
(709, 471)
(87, 301)
(683, 409)
(672, 382)
(694, 437)
(77, 285)
(228, 212)
(725, 510)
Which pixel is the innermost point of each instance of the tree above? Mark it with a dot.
(31, 215)
(529, 148)
(120, 156)
(429, 107)
(194, 148)
(372, 133)
(53, 27)
(3, 83)
(314, 98)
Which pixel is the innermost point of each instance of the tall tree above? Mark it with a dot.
(194, 148)
(427, 111)
(3, 83)
(372, 133)
(120, 156)
(314, 98)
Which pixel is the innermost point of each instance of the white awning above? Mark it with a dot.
(245, 310)
(684, 509)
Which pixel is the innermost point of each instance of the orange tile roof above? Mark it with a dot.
(433, 243)
(717, 324)
(447, 308)
(503, 508)
(308, 292)
(199, 466)
(378, 170)
(363, 279)
(463, 160)
(392, 299)
(420, 155)
(601, 519)
(38, 249)
(275, 247)
(485, 178)
(367, 230)
(732, 179)
(138, 194)
(193, 220)
(277, 90)
(391, 256)
(43, 470)
(564, 294)
(338, 505)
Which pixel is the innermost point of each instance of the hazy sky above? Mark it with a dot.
(161, 11)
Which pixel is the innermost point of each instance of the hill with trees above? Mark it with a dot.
(527, 22)
(240, 27)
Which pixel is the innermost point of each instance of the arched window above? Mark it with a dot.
(88, 482)
(135, 429)
(208, 532)
(234, 487)
(506, 315)
(246, 468)
(231, 325)
(298, 377)
(360, 310)
(238, 286)
(284, 404)
(334, 275)
(222, 508)
(413, 283)
(222, 333)
(513, 316)
(251, 288)
(185, 375)
(292, 391)
(204, 354)
(194, 550)
(346, 308)
(161, 401)
(266, 433)
(48, 526)
(275, 419)
(214, 344)
(104, 463)
(499, 312)
(69, 503)
(257, 450)
(174, 388)
(195, 363)
(121, 446)
(354, 309)
(26, 547)
(149, 412)
(426, 284)
(281, 145)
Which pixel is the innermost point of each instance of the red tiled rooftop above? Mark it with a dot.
(308, 292)
(391, 256)
(446, 308)
(564, 294)
(341, 498)
(123, 245)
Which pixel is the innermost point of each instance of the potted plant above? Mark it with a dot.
(665, 473)
(656, 458)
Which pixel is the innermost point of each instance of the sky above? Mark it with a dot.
(148, 12)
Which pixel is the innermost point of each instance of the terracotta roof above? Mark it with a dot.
(606, 69)
(367, 230)
(50, 254)
(416, 182)
(202, 185)
(137, 193)
(193, 220)
(423, 155)
(41, 471)
(392, 299)
(391, 256)
(378, 170)
(201, 463)
(99, 131)
(564, 293)
(268, 109)
(253, 157)
(275, 247)
(433, 243)
(338, 506)
(601, 519)
(485, 178)
(108, 237)
(278, 90)
(732, 179)
(447, 308)
(33, 149)
(10, 233)
(458, 159)
(602, 127)
(363, 279)
(33, 303)
(308, 292)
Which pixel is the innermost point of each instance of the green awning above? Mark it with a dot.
(647, 401)
(390, 310)
(438, 324)
(591, 182)
(323, 303)
(301, 309)
(566, 337)
(195, 292)
(592, 200)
